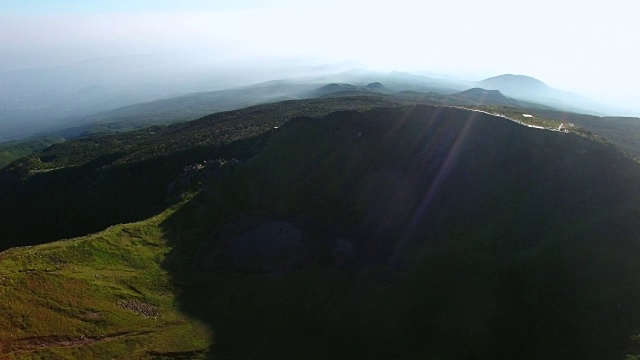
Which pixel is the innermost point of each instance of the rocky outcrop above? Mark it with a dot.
(196, 173)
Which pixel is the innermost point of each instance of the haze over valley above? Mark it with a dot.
(70, 60)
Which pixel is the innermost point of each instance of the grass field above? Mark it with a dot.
(101, 296)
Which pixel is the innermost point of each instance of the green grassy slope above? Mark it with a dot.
(101, 296)
(13, 150)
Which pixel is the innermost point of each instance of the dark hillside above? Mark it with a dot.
(622, 131)
(85, 185)
(457, 235)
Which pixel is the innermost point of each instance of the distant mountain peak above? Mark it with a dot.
(479, 96)
(484, 93)
(375, 86)
(511, 80)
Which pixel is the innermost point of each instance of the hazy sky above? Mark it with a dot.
(583, 46)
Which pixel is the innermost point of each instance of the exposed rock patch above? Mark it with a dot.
(195, 173)
(138, 306)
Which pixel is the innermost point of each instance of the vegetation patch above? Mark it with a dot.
(101, 296)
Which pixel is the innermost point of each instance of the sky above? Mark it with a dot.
(591, 48)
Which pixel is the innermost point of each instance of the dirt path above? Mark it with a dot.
(510, 119)
(35, 343)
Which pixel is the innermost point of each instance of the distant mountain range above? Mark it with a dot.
(516, 91)
(533, 90)
(79, 100)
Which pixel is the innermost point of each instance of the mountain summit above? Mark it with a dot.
(512, 84)
(484, 93)
(531, 89)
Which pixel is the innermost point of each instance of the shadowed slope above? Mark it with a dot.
(83, 186)
(472, 236)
